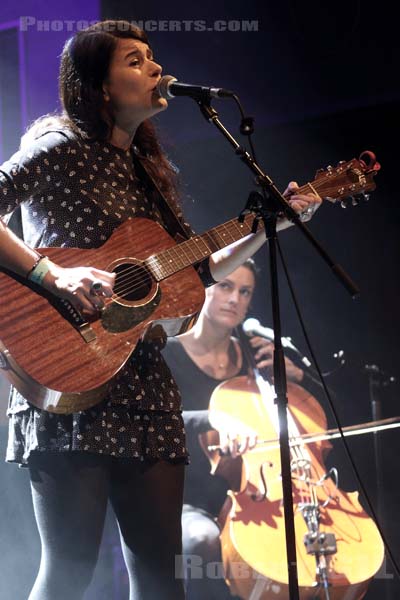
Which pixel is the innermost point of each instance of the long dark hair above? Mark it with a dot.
(85, 63)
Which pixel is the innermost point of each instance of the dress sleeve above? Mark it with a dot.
(32, 170)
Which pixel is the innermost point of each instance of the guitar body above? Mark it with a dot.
(63, 364)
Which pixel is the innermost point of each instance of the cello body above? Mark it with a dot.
(252, 520)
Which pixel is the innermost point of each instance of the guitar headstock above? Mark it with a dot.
(348, 182)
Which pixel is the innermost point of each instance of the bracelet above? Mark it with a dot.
(35, 264)
(39, 270)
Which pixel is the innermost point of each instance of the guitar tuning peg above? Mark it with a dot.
(339, 167)
(354, 200)
(343, 203)
(365, 197)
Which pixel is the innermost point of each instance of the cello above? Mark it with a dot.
(338, 545)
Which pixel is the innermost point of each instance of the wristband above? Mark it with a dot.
(39, 270)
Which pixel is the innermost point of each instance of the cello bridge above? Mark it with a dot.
(320, 542)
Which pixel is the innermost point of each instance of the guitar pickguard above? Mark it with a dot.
(117, 318)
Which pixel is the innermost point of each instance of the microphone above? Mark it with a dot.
(253, 327)
(169, 87)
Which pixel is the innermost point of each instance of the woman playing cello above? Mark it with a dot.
(200, 360)
(209, 362)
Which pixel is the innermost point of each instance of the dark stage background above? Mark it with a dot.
(320, 80)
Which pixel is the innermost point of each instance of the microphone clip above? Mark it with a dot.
(253, 204)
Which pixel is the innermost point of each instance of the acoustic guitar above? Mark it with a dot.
(63, 362)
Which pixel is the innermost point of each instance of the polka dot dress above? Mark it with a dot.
(74, 194)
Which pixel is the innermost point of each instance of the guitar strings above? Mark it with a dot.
(139, 276)
(224, 227)
(135, 276)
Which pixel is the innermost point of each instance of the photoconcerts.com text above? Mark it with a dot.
(30, 23)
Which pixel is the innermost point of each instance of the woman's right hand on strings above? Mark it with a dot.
(86, 288)
(233, 444)
(77, 285)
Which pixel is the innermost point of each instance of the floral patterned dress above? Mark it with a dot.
(74, 193)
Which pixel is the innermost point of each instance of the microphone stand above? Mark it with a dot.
(377, 380)
(268, 207)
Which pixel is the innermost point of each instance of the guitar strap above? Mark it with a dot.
(168, 212)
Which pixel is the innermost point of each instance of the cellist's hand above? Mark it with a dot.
(234, 444)
(264, 359)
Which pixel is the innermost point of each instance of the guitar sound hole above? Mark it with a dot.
(133, 282)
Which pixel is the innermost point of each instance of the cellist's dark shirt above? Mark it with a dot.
(202, 489)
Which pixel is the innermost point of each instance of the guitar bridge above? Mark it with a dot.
(87, 333)
(70, 313)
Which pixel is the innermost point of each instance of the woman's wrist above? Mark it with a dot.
(39, 270)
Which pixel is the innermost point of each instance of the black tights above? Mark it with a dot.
(202, 556)
(70, 493)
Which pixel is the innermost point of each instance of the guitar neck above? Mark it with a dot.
(199, 247)
(330, 185)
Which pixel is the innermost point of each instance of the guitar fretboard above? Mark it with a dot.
(332, 184)
(199, 247)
